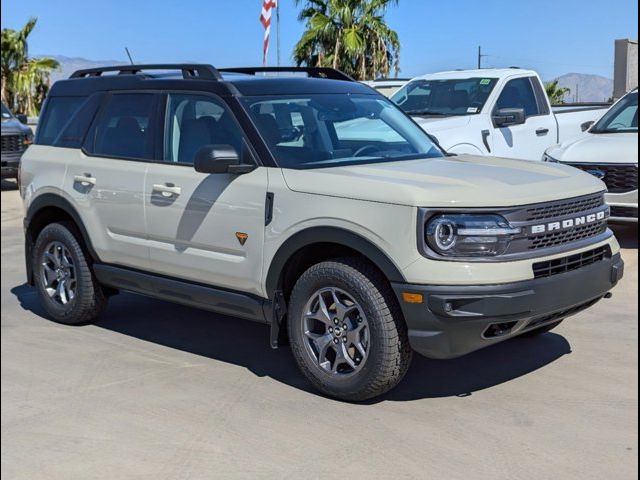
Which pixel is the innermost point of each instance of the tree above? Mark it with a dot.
(555, 93)
(350, 35)
(25, 80)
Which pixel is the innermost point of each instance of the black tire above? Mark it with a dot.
(539, 331)
(89, 298)
(389, 353)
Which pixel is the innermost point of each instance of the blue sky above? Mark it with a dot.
(553, 37)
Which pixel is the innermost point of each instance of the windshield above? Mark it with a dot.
(315, 131)
(6, 114)
(463, 96)
(621, 118)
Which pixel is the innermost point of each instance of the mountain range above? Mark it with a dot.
(589, 88)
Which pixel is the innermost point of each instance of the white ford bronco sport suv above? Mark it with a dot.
(309, 202)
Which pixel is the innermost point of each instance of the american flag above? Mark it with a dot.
(265, 19)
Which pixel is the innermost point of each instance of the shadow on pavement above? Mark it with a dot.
(627, 235)
(246, 344)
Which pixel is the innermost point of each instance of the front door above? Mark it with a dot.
(206, 228)
(529, 140)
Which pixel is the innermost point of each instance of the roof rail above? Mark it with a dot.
(314, 72)
(189, 70)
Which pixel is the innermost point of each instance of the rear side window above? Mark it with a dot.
(55, 117)
(124, 127)
(519, 93)
(73, 133)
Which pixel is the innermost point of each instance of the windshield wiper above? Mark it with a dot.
(426, 112)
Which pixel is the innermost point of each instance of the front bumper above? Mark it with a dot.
(10, 164)
(456, 320)
(624, 206)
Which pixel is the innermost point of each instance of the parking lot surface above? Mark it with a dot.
(156, 390)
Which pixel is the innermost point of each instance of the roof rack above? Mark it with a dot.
(314, 72)
(189, 70)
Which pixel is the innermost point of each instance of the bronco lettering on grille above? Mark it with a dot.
(569, 223)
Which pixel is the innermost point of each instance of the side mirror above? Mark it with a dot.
(22, 118)
(220, 159)
(506, 117)
(587, 125)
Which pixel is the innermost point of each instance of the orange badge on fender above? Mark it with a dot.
(242, 237)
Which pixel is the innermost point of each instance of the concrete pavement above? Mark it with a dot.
(156, 390)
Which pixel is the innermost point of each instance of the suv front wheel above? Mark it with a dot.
(67, 288)
(346, 330)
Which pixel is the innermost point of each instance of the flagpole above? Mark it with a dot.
(278, 31)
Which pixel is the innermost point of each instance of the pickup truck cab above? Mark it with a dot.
(499, 112)
(609, 151)
(310, 203)
(16, 138)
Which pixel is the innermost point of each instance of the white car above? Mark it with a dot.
(609, 150)
(499, 112)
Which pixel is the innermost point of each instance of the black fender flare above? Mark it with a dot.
(335, 235)
(47, 200)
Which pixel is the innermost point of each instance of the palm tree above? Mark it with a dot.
(555, 93)
(350, 35)
(25, 80)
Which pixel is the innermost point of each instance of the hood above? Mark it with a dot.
(12, 125)
(464, 181)
(438, 124)
(598, 148)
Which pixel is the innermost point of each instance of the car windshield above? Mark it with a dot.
(6, 114)
(463, 96)
(621, 118)
(327, 130)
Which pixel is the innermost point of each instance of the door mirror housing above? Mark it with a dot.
(587, 125)
(22, 118)
(220, 159)
(507, 117)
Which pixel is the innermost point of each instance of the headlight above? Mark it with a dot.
(464, 235)
(549, 158)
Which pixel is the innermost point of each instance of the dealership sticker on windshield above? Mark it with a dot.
(485, 81)
(472, 110)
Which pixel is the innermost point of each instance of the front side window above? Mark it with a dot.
(314, 131)
(519, 93)
(621, 118)
(193, 121)
(464, 96)
(124, 127)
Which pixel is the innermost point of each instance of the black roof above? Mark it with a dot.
(232, 81)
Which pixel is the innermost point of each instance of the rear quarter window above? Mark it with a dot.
(57, 113)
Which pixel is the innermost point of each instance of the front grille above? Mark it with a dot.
(556, 239)
(12, 143)
(573, 262)
(618, 178)
(565, 208)
(624, 212)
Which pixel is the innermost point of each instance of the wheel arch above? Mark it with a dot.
(326, 239)
(46, 209)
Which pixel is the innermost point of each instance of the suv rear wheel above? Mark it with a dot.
(66, 286)
(346, 330)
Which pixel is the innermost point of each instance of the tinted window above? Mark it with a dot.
(73, 133)
(519, 93)
(326, 130)
(463, 96)
(622, 117)
(123, 127)
(194, 121)
(57, 113)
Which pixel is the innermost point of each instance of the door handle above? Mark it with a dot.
(85, 179)
(542, 131)
(167, 190)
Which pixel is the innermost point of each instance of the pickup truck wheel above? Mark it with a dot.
(539, 331)
(67, 288)
(346, 330)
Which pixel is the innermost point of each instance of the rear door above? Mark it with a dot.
(529, 140)
(106, 177)
(206, 228)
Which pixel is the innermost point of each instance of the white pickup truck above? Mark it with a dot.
(500, 112)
